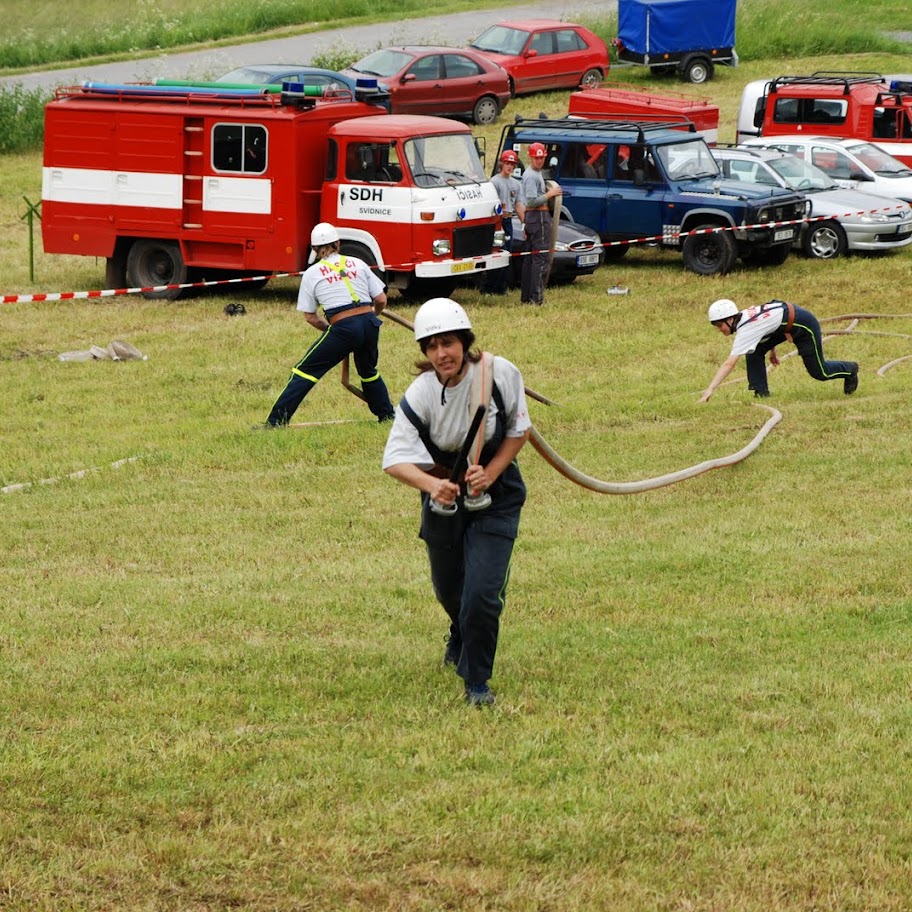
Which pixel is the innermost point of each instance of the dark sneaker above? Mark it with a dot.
(451, 654)
(761, 394)
(851, 382)
(479, 695)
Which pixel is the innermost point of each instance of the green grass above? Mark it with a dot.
(219, 664)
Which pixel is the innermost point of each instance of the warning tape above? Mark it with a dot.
(666, 237)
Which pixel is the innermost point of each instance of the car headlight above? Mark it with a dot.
(870, 218)
(560, 248)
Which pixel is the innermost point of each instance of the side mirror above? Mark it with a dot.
(409, 77)
(531, 53)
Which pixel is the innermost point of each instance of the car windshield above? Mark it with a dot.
(688, 160)
(446, 160)
(501, 40)
(382, 63)
(801, 175)
(879, 161)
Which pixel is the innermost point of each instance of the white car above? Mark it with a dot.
(841, 220)
(851, 163)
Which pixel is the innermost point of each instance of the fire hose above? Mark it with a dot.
(557, 462)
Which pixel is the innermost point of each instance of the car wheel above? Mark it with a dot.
(824, 241)
(615, 253)
(592, 79)
(154, 262)
(486, 110)
(713, 253)
(696, 70)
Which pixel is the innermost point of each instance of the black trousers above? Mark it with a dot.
(806, 336)
(357, 336)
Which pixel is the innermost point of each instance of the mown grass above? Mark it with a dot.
(220, 676)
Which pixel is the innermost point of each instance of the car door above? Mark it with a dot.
(420, 88)
(463, 83)
(535, 72)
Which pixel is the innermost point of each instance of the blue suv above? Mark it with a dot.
(634, 180)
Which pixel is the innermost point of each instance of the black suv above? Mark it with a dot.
(638, 181)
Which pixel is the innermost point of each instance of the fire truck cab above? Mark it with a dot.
(865, 106)
(183, 184)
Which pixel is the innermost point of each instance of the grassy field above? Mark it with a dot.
(220, 681)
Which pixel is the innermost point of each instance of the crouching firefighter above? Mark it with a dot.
(469, 540)
(352, 297)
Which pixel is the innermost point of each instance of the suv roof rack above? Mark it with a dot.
(828, 78)
(640, 127)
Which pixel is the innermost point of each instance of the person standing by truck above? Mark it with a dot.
(469, 546)
(759, 330)
(352, 297)
(538, 226)
(509, 190)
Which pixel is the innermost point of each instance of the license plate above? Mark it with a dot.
(784, 234)
(587, 259)
(463, 267)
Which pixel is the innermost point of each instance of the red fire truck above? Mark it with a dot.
(181, 184)
(865, 106)
(612, 101)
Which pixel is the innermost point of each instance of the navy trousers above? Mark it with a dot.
(805, 334)
(357, 336)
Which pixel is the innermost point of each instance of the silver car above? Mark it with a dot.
(840, 220)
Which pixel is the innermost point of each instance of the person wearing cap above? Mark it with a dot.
(469, 548)
(352, 297)
(509, 189)
(538, 225)
(759, 330)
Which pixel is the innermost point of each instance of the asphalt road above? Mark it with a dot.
(453, 30)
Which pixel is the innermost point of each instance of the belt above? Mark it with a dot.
(536, 208)
(334, 317)
(790, 315)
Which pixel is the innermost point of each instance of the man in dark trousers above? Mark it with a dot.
(538, 226)
(759, 330)
(351, 297)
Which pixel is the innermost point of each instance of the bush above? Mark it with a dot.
(22, 118)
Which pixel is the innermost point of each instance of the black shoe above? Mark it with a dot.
(851, 382)
(761, 394)
(452, 651)
(389, 416)
(479, 695)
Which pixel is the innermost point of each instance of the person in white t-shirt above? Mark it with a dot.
(759, 330)
(352, 297)
(470, 548)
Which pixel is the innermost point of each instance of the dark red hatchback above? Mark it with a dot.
(544, 54)
(452, 82)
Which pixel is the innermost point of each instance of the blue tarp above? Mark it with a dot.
(673, 26)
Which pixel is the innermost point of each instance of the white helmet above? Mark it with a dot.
(323, 233)
(439, 315)
(721, 310)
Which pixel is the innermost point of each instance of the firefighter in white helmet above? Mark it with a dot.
(352, 297)
(759, 330)
(469, 551)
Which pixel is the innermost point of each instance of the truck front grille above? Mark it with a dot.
(477, 240)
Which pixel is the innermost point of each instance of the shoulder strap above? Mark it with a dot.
(340, 269)
(438, 455)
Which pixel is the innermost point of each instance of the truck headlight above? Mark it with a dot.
(441, 248)
(499, 238)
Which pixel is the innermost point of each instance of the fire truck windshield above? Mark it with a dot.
(446, 160)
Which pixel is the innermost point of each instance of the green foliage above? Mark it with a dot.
(21, 118)
(338, 56)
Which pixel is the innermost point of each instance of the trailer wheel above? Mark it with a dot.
(709, 254)
(591, 79)
(153, 262)
(824, 241)
(696, 69)
(485, 111)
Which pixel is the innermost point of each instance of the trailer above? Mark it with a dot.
(173, 185)
(685, 36)
(616, 101)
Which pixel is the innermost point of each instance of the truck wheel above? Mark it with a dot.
(709, 254)
(824, 240)
(697, 70)
(592, 79)
(153, 262)
(353, 248)
(485, 111)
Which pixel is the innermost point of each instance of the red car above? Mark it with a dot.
(544, 54)
(453, 82)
